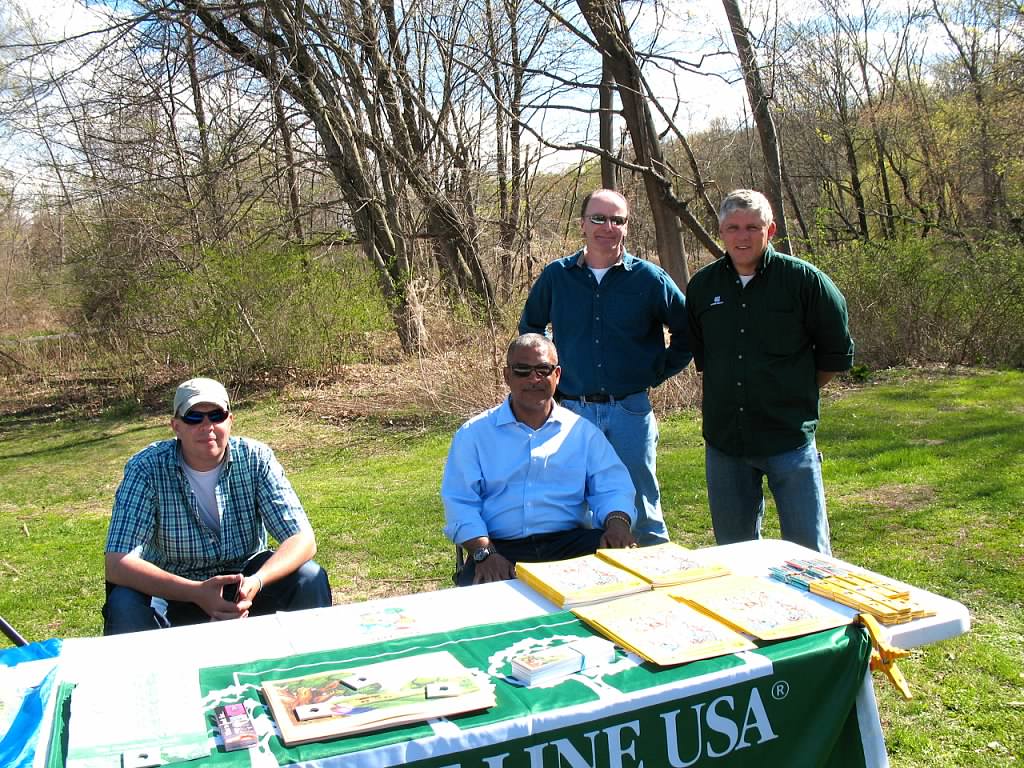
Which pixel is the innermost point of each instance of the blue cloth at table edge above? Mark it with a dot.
(18, 745)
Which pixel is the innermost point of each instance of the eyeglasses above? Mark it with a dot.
(600, 218)
(523, 370)
(216, 416)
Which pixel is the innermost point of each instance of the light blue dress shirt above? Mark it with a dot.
(505, 480)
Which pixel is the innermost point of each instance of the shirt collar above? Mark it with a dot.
(766, 259)
(504, 414)
(578, 260)
(179, 460)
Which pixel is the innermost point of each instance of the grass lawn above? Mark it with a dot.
(924, 474)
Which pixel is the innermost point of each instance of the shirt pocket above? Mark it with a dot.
(627, 311)
(782, 332)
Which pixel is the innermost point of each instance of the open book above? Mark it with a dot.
(760, 607)
(664, 565)
(579, 580)
(357, 699)
(662, 630)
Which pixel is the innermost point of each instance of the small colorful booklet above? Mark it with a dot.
(665, 565)
(662, 630)
(560, 661)
(760, 607)
(579, 580)
(235, 726)
(341, 702)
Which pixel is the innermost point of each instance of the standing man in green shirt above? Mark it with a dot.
(767, 331)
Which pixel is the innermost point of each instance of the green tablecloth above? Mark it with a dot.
(790, 703)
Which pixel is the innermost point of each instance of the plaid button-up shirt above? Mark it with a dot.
(156, 513)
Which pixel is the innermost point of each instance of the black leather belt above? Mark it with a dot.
(600, 397)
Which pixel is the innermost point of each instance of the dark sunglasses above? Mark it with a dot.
(196, 417)
(522, 371)
(600, 218)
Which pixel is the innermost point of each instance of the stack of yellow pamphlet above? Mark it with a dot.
(340, 702)
(579, 580)
(865, 591)
(665, 564)
(662, 630)
(885, 601)
(760, 607)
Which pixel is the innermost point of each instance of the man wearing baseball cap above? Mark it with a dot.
(188, 537)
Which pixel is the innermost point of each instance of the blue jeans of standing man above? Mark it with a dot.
(736, 495)
(631, 428)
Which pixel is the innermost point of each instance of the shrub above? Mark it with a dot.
(928, 301)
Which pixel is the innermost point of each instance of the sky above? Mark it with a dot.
(703, 97)
(690, 27)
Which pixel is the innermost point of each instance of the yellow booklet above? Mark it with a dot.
(579, 580)
(760, 607)
(666, 564)
(357, 699)
(662, 630)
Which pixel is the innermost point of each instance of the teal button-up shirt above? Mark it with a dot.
(156, 512)
(760, 348)
(610, 335)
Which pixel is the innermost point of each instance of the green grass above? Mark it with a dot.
(924, 476)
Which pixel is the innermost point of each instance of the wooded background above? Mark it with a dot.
(240, 188)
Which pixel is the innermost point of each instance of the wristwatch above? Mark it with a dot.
(481, 554)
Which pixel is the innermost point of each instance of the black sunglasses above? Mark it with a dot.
(600, 218)
(196, 417)
(522, 370)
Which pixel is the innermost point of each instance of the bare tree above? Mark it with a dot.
(760, 103)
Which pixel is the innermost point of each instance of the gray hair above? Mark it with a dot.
(746, 200)
(531, 341)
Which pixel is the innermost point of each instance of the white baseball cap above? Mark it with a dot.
(196, 391)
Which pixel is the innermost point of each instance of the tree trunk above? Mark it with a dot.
(760, 104)
(612, 34)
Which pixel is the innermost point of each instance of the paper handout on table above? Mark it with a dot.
(665, 564)
(341, 702)
(563, 660)
(760, 607)
(158, 712)
(579, 580)
(662, 630)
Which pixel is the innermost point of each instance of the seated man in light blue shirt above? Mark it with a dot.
(521, 476)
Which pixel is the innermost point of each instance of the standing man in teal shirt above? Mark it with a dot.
(608, 312)
(768, 331)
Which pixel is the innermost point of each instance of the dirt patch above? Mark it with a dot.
(360, 589)
(399, 390)
(897, 496)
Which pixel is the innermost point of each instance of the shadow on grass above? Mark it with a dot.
(73, 444)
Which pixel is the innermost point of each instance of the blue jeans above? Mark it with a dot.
(736, 495)
(128, 610)
(631, 428)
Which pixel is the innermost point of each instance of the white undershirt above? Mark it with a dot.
(599, 273)
(746, 279)
(204, 486)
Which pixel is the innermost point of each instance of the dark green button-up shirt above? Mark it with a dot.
(760, 348)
